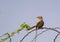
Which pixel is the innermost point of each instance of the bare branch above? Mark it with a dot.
(26, 35)
(47, 30)
(54, 29)
(56, 37)
(38, 35)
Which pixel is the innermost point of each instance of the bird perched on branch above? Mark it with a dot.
(39, 23)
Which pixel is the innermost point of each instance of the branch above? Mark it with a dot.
(26, 35)
(47, 30)
(6, 37)
(38, 35)
(54, 29)
(56, 37)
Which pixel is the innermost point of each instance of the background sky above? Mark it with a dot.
(15, 12)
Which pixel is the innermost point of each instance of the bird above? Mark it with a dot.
(39, 24)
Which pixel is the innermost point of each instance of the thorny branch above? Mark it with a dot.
(8, 36)
(54, 29)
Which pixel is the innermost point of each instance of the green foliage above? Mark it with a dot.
(3, 39)
(27, 26)
(19, 30)
(22, 25)
(12, 33)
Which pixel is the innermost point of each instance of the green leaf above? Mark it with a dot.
(4, 39)
(27, 26)
(19, 30)
(22, 25)
(12, 33)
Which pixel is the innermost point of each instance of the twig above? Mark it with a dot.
(56, 37)
(45, 31)
(27, 35)
(54, 29)
(38, 35)
(8, 36)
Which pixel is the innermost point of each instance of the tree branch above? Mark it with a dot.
(56, 37)
(47, 30)
(54, 29)
(26, 35)
(38, 35)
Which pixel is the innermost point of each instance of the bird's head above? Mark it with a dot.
(40, 18)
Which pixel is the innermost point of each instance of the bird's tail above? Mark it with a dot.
(33, 26)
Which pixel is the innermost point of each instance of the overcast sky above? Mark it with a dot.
(15, 12)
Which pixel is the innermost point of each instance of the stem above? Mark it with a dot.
(54, 29)
(38, 35)
(45, 31)
(26, 35)
(56, 37)
(8, 36)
